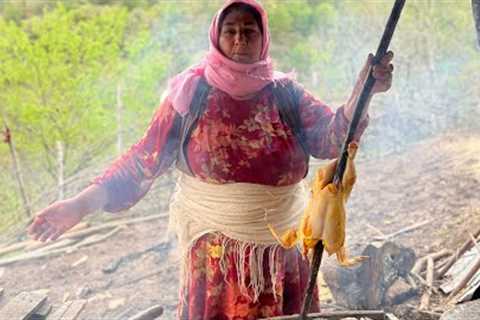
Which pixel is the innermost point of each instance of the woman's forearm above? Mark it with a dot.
(90, 199)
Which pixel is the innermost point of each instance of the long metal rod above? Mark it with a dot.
(367, 89)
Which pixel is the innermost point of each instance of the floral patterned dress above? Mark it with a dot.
(235, 141)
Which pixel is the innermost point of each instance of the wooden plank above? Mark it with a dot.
(337, 315)
(22, 306)
(42, 312)
(68, 311)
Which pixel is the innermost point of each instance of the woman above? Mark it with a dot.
(243, 165)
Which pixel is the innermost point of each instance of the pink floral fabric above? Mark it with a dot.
(235, 141)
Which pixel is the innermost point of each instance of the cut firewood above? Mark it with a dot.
(401, 231)
(424, 283)
(370, 314)
(149, 314)
(68, 311)
(461, 285)
(464, 248)
(425, 300)
(22, 306)
(422, 262)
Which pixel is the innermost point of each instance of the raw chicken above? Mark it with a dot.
(324, 217)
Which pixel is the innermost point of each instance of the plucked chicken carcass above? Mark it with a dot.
(324, 217)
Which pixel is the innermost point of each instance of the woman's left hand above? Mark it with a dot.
(382, 72)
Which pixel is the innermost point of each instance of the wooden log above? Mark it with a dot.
(22, 306)
(334, 315)
(68, 311)
(149, 314)
(425, 300)
(364, 286)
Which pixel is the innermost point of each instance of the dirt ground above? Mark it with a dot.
(435, 181)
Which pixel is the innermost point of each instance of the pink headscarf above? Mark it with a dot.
(241, 81)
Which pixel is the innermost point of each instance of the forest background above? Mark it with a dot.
(80, 79)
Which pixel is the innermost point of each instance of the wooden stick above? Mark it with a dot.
(422, 262)
(372, 314)
(110, 225)
(425, 300)
(149, 314)
(465, 247)
(424, 283)
(45, 254)
(404, 230)
(466, 279)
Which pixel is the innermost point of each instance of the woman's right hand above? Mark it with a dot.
(53, 221)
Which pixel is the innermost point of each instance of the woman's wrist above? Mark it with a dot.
(351, 104)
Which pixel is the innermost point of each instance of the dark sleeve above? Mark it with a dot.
(129, 177)
(324, 129)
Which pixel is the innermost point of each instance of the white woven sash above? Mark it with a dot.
(238, 210)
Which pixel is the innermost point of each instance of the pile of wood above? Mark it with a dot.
(81, 235)
(392, 276)
(36, 306)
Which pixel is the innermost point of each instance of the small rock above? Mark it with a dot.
(66, 296)
(83, 292)
(115, 303)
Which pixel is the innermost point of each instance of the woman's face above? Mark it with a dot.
(240, 37)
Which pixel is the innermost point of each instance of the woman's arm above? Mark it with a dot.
(123, 184)
(130, 177)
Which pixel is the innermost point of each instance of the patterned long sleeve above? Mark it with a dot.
(129, 177)
(325, 130)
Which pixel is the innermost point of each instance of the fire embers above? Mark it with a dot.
(324, 217)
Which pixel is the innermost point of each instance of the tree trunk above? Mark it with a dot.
(476, 18)
(119, 119)
(16, 170)
(60, 170)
